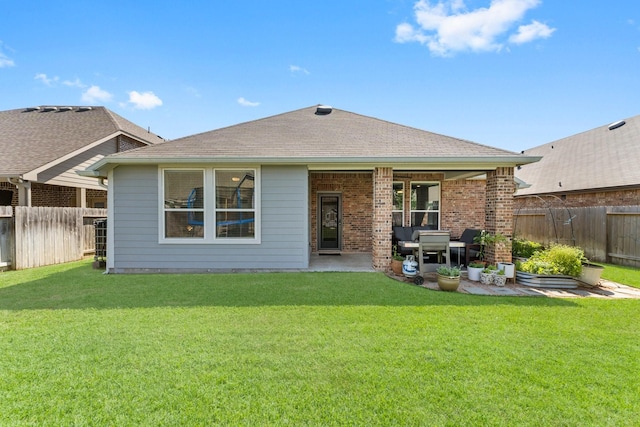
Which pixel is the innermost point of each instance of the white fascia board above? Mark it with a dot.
(326, 163)
(33, 175)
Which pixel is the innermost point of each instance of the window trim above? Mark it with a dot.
(209, 208)
(404, 198)
(438, 211)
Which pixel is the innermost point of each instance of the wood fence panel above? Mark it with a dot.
(51, 235)
(623, 228)
(606, 234)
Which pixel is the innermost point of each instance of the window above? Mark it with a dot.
(398, 204)
(209, 205)
(183, 204)
(235, 203)
(425, 204)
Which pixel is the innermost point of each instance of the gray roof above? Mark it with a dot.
(31, 138)
(340, 137)
(597, 159)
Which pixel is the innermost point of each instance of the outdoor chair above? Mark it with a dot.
(433, 241)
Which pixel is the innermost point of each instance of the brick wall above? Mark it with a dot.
(628, 197)
(125, 143)
(463, 205)
(53, 195)
(382, 208)
(499, 212)
(357, 201)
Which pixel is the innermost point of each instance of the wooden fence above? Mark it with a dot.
(45, 235)
(606, 233)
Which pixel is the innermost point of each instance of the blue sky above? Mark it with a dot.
(512, 74)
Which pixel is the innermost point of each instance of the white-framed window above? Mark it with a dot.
(209, 205)
(398, 204)
(425, 204)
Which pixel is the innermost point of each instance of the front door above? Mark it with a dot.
(329, 222)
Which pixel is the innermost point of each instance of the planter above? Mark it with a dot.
(499, 279)
(486, 278)
(448, 283)
(546, 280)
(473, 273)
(591, 274)
(396, 267)
(509, 269)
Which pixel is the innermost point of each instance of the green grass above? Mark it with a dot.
(81, 348)
(627, 275)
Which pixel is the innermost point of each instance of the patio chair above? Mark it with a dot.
(433, 241)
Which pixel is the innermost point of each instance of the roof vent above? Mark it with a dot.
(323, 110)
(50, 108)
(33, 109)
(66, 108)
(616, 125)
(84, 108)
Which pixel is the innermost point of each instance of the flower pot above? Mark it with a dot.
(473, 273)
(499, 279)
(447, 283)
(396, 267)
(591, 274)
(486, 278)
(509, 269)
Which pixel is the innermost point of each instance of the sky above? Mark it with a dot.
(512, 74)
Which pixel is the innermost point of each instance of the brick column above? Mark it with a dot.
(381, 227)
(499, 212)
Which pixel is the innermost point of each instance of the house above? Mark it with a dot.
(42, 147)
(267, 193)
(593, 168)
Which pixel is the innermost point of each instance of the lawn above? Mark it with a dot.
(81, 348)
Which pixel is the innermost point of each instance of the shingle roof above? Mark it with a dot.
(597, 159)
(303, 134)
(30, 138)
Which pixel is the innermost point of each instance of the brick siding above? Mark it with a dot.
(53, 195)
(628, 197)
(499, 212)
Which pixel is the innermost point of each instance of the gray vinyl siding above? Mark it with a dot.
(284, 226)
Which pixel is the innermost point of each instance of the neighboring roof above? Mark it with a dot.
(33, 137)
(331, 139)
(592, 160)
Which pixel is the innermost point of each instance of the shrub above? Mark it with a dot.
(448, 271)
(525, 248)
(558, 259)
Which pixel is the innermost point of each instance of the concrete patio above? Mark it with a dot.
(362, 262)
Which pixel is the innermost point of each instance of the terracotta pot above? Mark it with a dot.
(447, 283)
(396, 267)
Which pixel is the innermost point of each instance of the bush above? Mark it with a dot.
(558, 259)
(448, 271)
(525, 248)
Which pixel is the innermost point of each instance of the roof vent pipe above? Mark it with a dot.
(616, 125)
(323, 110)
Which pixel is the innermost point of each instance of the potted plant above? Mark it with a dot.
(500, 278)
(474, 269)
(590, 274)
(509, 269)
(486, 275)
(448, 278)
(485, 239)
(396, 261)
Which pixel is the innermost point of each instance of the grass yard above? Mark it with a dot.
(81, 348)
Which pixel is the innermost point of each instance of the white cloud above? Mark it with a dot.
(449, 27)
(74, 83)
(95, 95)
(144, 100)
(527, 33)
(6, 61)
(296, 69)
(45, 79)
(247, 103)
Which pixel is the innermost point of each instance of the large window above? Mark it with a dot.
(425, 204)
(398, 204)
(209, 205)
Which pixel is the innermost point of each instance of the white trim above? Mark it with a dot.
(426, 212)
(110, 227)
(209, 210)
